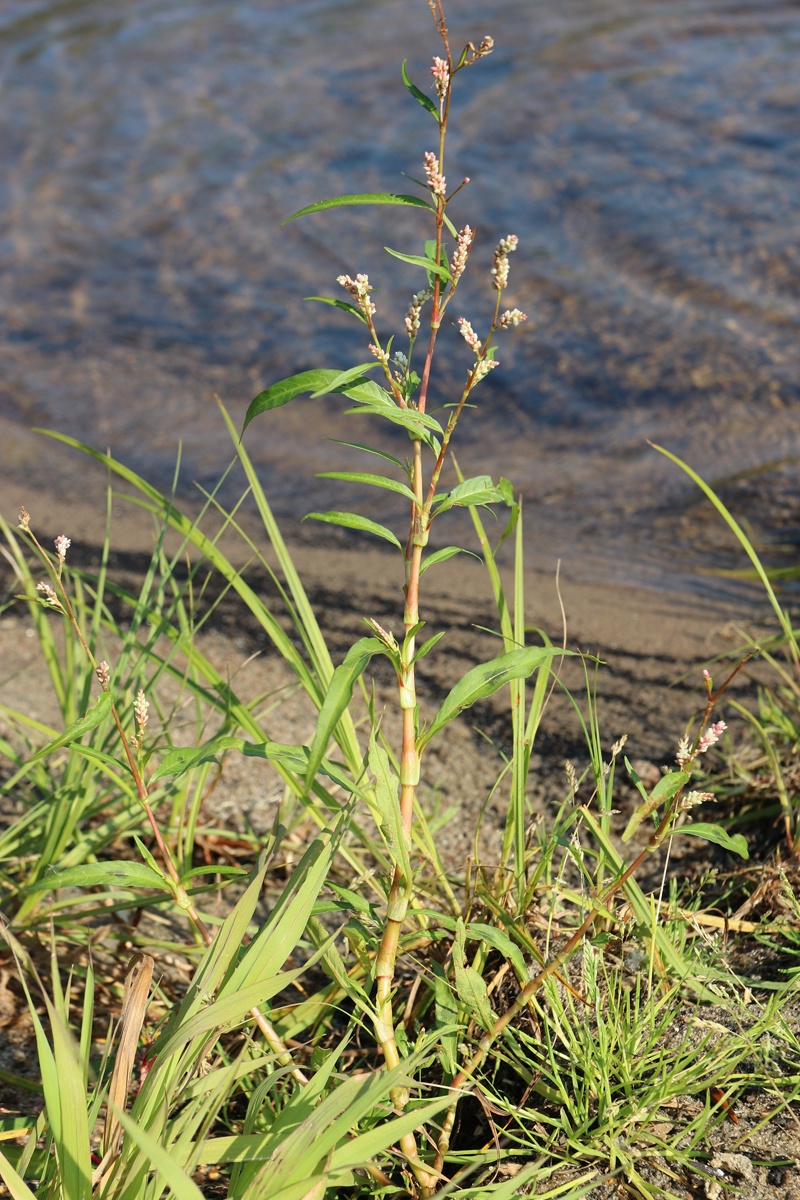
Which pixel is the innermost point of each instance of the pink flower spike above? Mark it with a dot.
(711, 735)
(469, 335)
(512, 316)
(459, 260)
(436, 181)
(62, 545)
(103, 674)
(140, 708)
(441, 76)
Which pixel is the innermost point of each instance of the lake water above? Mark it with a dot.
(646, 153)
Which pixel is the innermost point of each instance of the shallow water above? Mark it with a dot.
(645, 153)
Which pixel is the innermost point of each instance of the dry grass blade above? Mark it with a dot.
(134, 1007)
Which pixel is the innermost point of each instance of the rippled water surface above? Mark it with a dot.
(647, 154)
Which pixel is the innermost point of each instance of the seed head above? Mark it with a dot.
(24, 519)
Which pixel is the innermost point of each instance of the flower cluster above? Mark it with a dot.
(483, 368)
(469, 335)
(140, 707)
(62, 545)
(414, 309)
(505, 247)
(49, 595)
(359, 288)
(103, 674)
(692, 798)
(512, 316)
(441, 76)
(381, 355)
(436, 181)
(459, 260)
(685, 755)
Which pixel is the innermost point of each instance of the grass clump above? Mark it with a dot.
(344, 1014)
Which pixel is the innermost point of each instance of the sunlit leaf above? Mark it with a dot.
(484, 680)
(349, 308)
(417, 260)
(101, 874)
(338, 697)
(379, 481)
(316, 383)
(355, 521)
(665, 790)
(736, 842)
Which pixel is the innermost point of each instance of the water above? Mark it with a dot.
(647, 155)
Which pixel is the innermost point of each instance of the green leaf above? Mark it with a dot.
(338, 697)
(484, 680)
(470, 986)
(415, 422)
(317, 383)
(102, 874)
(442, 555)
(292, 758)
(354, 521)
(369, 450)
(426, 647)
(380, 481)
(350, 308)
(366, 198)
(479, 490)
(96, 714)
(387, 787)
(736, 842)
(419, 96)
(665, 790)
(417, 260)
(343, 379)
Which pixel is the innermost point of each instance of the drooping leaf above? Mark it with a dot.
(419, 425)
(349, 308)
(484, 680)
(338, 697)
(379, 481)
(736, 842)
(418, 95)
(368, 450)
(417, 260)
(354, 521)
(291, 757)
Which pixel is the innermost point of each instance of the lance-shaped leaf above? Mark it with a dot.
(484, 680)
(369, 198)
(387, 787)
(338, 697)
(102, 874)
(665, 790)
(479, 490)
(316, 383)
(442, 555)
(418, 260)
(96, 714)
(736, 843)
(379, 481)
(470, 986)
(354, 521)
(349, 308)
(418, 95)
(344, 379)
